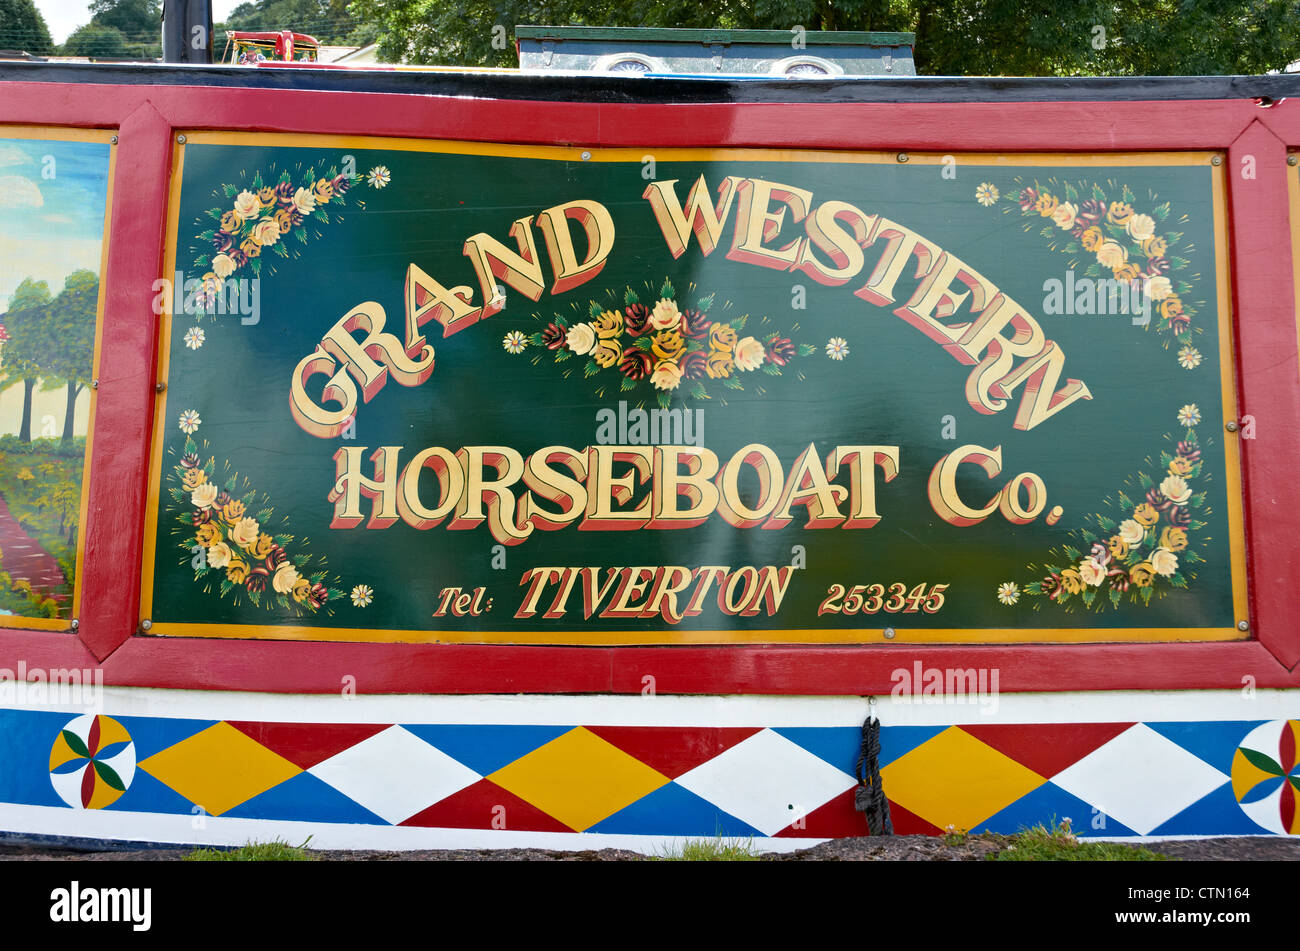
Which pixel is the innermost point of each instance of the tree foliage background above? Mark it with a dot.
(953, 37)
(23, 28)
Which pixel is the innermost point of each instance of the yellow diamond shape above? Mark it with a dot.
(579, 778)
(954, 779)
(219, 768)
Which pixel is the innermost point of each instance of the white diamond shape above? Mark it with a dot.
(1140, 778)
(766, 781)
(394, 774)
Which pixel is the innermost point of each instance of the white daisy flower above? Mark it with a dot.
(189, 421)
(194, 338)
(1189, 415)
(837, 348)
(362, 595)
(1189, 358)
(987, 194)
(1008, 593)
(379, 176)
(514, 342)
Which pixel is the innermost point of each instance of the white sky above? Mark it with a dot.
(64, 16)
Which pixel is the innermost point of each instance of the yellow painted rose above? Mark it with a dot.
(232, 511)
(283, 220)
(1142, 574)
(1155, 247)
(718, 365)
(1047, 205)
(1127, 272)
(1180, 466)
(1118, 547)
(722, 337)
(323, 191)
(609, 324)
(301, 587)
(1119, 212)
(262, 547)
(666, 376)
(231, 222)
(193, 478)
(266, 196)
(237, 571)
(1071, 581)
(607, 353)
(1146, 515)
(1171, 306)
(1092, 238)
(1173, 538)
(667, 345)
(208, 534)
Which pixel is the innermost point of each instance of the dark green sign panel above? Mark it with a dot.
(440, 392)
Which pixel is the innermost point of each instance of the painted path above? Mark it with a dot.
(23, 557)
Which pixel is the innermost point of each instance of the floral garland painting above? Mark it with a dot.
(1126, 244)
(1152, 535)
(229, 541)
(662, 345)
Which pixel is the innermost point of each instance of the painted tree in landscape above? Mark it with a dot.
(22, 354)
(67, 340)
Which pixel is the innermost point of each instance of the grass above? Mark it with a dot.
(276, 851)
(717, 849)
(1059, 844)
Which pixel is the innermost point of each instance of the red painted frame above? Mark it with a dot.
(148, 118)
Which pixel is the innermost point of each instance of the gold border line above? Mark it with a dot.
(104, 136)
(293, 631)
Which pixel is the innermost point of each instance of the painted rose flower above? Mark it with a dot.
(1111, 254)
(1127, 272)
(987, 194)
(720, 364)
(266, 232)
(1046, 204)
(581, 339)
(607, 353)
(237, 571)
(1141, 227)
(1146, 514)
(378, 177)
(514, 342)
(285, 577)
(223, 265)
(1189, 415)
(667, 345)
(301, 588)
(1071, 581)
(1008, 593)
(219, 555)
(283, 220)
(244, 532)
(247, 205)
(1142, 574)
(1118, 546)
(1065, 215)
(1091, 572)
(749, 354)
(231, 222)
(1131, 532)
(194, 338)
(608, 324)
(232, 511)
(722, 337)
(305, 203)
(1176, 489)
(262, 547)
(1091, 239)
(1155, 247)
(1173, 538)
(189, 421)
(193, 478)
(362, 595)
(1189, 358)
(322, 191)
(1119, 212)
(1158, 288)
(250, 248)
(837, 348)
(665, 315)
(207, 534)
(1180, 466)
(666, 376)
(1164, 562)
(204, 496)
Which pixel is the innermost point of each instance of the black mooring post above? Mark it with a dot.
(187, 31)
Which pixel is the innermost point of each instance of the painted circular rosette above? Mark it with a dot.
(92, 762)
(1266, 776)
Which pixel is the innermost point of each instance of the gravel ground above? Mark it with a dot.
(905, 848)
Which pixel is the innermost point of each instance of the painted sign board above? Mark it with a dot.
(437, 391)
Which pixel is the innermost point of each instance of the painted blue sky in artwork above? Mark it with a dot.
(52, 199)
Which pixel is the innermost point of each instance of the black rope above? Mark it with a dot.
(869, 797)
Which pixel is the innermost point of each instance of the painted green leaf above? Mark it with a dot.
(74, 742)
(109, 775)
(1262, 761)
